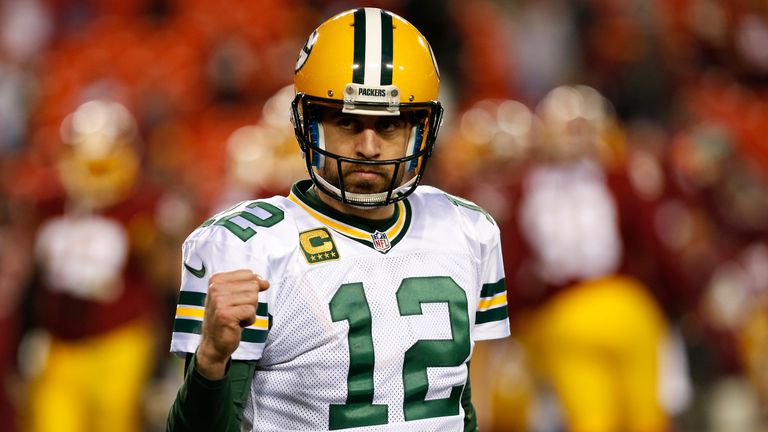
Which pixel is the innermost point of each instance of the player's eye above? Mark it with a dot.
(346, 123)
(389, 124)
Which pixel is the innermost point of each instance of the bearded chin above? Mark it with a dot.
(361, 186)
(365, 187)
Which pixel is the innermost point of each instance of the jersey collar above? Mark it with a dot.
(353, 227)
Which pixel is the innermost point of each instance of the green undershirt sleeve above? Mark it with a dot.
(211, 405)
(470, 416)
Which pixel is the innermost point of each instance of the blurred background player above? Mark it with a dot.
(591, 330)
(92, 302)
(593, 333)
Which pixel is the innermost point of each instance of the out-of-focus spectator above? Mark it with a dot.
(544, 41)
(622, 55)
(25, 29)
(717, 160)
(14, 89)
(485, 71)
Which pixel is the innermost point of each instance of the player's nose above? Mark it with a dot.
(368, 144)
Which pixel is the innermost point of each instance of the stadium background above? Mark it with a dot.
(205, 86)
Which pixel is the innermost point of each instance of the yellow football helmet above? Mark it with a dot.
(367, 61)
(100, 164)
(578, 121)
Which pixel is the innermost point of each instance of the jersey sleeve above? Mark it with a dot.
(492, 317)
(206, 252)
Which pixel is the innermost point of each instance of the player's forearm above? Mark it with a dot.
(209, 365)
(203, 404)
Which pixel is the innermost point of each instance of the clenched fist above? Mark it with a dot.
(229, 307)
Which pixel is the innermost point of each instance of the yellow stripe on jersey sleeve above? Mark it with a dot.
(261, 323)
(497, 300)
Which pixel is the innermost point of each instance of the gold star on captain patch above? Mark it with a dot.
(326, 255)
(313, 257)
(333, 254)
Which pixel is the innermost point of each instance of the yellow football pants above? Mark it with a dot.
(93, 385)
(597, 344)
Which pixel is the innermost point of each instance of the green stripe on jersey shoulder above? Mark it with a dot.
(491, 289)
(461, 202)
(189, 298)
(498, 314)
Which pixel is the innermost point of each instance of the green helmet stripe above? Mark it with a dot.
(358, 71)
(386, 49)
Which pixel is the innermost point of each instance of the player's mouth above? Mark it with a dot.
(364, 174)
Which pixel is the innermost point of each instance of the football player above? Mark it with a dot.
(354, 302)
(94, 298)
(590, 326)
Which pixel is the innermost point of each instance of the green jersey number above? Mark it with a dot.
(350, 304)
(461, 202)
(244, 232)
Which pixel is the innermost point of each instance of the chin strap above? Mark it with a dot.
(366, 200)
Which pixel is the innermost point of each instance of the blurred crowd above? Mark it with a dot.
(621, 146)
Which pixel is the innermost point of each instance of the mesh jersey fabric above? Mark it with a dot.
(413, 296)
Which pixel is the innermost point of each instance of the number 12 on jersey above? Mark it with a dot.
(350, 304)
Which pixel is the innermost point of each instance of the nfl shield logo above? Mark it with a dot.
(380, 241)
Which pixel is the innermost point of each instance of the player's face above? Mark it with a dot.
(367, 138)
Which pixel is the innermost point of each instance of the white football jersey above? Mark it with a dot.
(66, 242)
(570, 220)
(366, 326)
